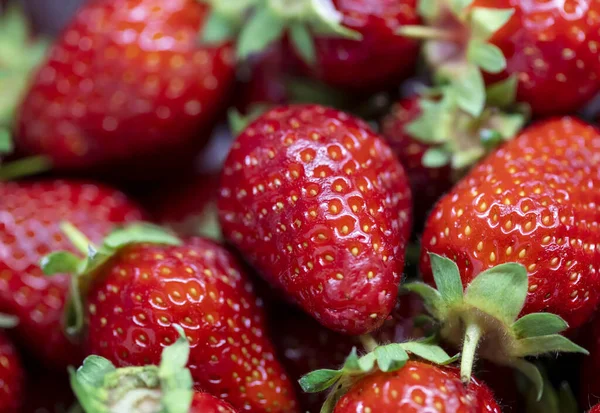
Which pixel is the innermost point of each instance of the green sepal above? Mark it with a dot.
(137, 234)
(436, 157)
(8, 321)
(6, 143)
(263, 28)
(487, 56)
(325, 19)
(458, 7)
(447, 279)
(487, 21)
(303, 43)
(433, 300)
(428, 9)
(503, 94)
(176, 379)
(87, 384)
(501, 291)
(225, 20)
(539, 324)
(238, 122)
(60, 262)
(533, 374)
(552, 343)
(217, 29)
(470, 90)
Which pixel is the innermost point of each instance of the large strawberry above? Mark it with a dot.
(30, 213)
(350, 44)
(319, 205)
(521, 229)
(167, 387)
(12, 376)
(126, 79)
(550, 48)
(142, 281)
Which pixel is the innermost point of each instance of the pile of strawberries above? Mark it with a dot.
(287, 206)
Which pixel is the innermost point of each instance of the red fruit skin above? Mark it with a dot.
(146, 289)
(532, 202)
(552, 49)
(304, 345)
(127, 79)
(12, 376)
(30, 218)
(427, 184)
(595, 409)
(319, 205)
(382, 58)
(206, 403)
(418, 387)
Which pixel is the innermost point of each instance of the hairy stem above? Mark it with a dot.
(472, 336)
(77, 238)
(368, 342)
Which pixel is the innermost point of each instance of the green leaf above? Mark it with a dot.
(533, 374)
(261, 30)
(433, 300)
(332, 400)
(459, 6)
(487, 21)
(430, 352)
(499, 291)
(428, 9)
(217, 29)
(92, 399)
(61, 262)
(238, 122)
(140, 233)
(303, 43)
(319, 380)
(538, 324)
(93, 371)
(325, 19)
(503, 94)
(466, 158)
(390, 357)
(176, 379)
(6, 143)
(470, 90)
(566, 399)
(487, 56)
(435, 157)
(447, 278)
(8, 321)
(553, 343)
(175, 356)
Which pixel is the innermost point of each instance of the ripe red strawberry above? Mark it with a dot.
(595, 409)
(126, 77)
(30, 213)
(206, 403)
(319, 205)
(12, 377)
(138, 291)
(551, 48)
(531, 202)
(418, 387)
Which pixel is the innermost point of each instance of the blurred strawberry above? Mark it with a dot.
(12, 376)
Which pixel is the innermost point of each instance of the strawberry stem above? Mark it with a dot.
(427, 33)
(25, 167)
(472, 336)
(368, 342)
(77, 238)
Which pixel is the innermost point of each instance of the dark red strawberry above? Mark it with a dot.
(418, 387)
(30, 214)
(319, 205)
(167, 386)
(550, 48)
(126, 79)
(595, 409)
(12, 376)
(136, 292)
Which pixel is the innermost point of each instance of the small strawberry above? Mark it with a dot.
(319, 205)
(350, 44)
(142, 281)
(12, 377)
(126, 79)
(550, 48)
(167, 387)
(30, 213)
(521, 229)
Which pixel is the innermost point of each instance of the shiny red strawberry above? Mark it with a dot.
(12, 376)
(319, 205)
(126, 79)
(532, 202)
(418, 387)
(30, 214)
(139, 290)
(549, 47)
(206, 403)
(595, 409)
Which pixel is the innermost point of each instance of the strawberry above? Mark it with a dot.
(319, 205)
(350, 44)
(167, 387)
(516, 237)
(125, 78)
(595, 409)
(550, 48)
(12, 376)
(142, 281)
(30, 213)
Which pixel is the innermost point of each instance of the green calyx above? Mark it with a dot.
(385, 358)
(167, 388)
(457, 137)
(83, 269)
(225, 20)
(483, 318)
(8, 321)
(19, 56)
(561, 400)
(457, 46)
